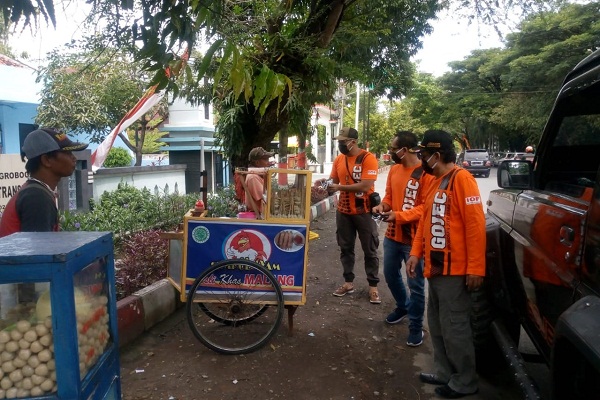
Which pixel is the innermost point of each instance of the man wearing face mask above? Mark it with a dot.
(451, 237)
(354, 173)
(402, 208)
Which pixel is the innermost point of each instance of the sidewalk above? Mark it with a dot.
(147, 307)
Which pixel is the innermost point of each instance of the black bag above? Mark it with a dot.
(374, 199)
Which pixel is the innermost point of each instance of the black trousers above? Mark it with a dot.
(348, 226)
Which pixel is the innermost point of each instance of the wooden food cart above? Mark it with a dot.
(237, 275)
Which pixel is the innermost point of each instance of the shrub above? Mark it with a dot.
(128, 210)
(222, 203)
(118, 157)
(145, 256)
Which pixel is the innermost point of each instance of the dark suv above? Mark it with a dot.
(476, 161)
(543, 242)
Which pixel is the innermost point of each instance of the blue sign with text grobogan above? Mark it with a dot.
(279, 247)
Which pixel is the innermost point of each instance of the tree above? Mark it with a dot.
(89, 89)
(472, 91)
(275, 59)
(538, 57)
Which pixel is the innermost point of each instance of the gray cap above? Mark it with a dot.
(46, 140)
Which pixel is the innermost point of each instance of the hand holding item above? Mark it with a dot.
(333, 187)
(388, 216)
(377, 209)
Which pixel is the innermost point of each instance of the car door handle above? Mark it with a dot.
(567, 235)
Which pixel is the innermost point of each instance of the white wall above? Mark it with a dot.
(107, 180)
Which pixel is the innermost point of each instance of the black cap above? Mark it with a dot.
(435, 140)
(347, 133)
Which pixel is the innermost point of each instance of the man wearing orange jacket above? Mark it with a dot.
(451, 238)
(401, 208)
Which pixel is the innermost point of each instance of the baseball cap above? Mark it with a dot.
(258, 153)
(435, 140)
(347, 133)
(46, 140)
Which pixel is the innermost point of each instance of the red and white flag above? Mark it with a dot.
(149, 99)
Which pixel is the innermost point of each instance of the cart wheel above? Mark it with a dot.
(229, 295)
(253, 311)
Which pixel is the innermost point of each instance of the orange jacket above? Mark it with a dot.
(451, 235)
(350, 202)
(405, 190)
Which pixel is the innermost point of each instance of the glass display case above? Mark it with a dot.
(288, 195)
(58, 325)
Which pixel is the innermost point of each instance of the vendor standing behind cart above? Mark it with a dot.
(354, 173)
(258, 159)
(49, 159)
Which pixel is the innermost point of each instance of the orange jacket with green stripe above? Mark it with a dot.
(451, 235)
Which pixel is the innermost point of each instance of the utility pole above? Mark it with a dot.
(357, 105)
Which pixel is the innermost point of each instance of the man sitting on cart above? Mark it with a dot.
(258, 159)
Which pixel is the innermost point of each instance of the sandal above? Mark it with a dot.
(374, 297)
(343, 290)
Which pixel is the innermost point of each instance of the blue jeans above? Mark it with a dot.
(393, 255)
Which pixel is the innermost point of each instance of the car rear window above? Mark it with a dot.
(477, 154)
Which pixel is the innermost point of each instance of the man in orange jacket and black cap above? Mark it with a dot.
(451, 238)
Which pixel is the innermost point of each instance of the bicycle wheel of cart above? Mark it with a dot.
(253, 311)
(235, 306)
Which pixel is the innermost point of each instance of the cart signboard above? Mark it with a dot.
(281, 248)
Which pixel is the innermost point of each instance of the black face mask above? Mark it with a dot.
(395, 158)
(343, 148)
(426, 167)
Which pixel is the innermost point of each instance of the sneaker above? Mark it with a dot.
(396, 316)
(343, 290)
(374, 297)
(415, 338)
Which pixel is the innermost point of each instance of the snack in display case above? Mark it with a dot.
(58, 325)
(288, 194)
(28, 366)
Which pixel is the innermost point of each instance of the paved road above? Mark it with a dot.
(539, 372)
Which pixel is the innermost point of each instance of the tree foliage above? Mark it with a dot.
(88, 88)
(501, 98)
(270, 60)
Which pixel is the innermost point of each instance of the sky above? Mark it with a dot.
(452, 39)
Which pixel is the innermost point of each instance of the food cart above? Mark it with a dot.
(237, 275)
(58, 317)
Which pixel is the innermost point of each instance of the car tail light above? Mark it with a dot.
(465, 163)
